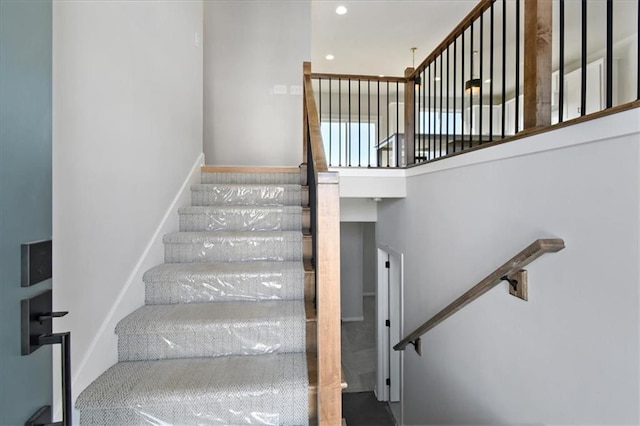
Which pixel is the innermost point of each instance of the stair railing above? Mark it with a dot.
(511, 272)
(324, 202)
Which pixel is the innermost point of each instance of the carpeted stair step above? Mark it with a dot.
(240, 218)
(263, 175)
(186, 247)
(269, 389)
(212, 329)
(172, 283)
(248, 194)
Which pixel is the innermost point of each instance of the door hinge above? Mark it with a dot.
(387, 323)
(387, 264)
(388, 382)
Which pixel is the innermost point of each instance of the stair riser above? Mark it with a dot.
(222, 289)
(252, 220)
(248, 196)
(234, 251)
(252, 178)
(229, 340)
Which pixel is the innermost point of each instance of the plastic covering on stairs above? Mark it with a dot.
(222, 336)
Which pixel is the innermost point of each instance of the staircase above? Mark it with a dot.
(228, 331)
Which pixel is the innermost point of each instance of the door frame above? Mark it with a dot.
(383, 347)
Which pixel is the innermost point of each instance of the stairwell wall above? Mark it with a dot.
(570, 354)
(250, 47)
(127, 135)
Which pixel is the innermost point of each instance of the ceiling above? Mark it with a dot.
(375, 36)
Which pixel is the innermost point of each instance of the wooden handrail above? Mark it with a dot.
(389, 79)
(509, 269)
(459, 29)
(313, 122)
(324, 201)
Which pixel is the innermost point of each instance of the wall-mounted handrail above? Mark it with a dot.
(510, 268)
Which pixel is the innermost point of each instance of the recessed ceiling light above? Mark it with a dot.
(341, 10)
(329, 57)
(436, 79)
(381, 75)
(488, 81)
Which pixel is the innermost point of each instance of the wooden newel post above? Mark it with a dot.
(538, 27)
(409, 117)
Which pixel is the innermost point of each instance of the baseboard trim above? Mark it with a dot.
(105, 332)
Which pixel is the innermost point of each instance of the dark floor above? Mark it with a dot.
(363, 409)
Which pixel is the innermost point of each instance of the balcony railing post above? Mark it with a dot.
(538, 24)
(409, 117)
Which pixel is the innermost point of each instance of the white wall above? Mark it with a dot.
(369, 258)
(249, 48)
(568, 356)
(351, 252)
(127, 132)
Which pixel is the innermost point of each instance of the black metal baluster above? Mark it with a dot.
(417, 122)
(320, 100)
(504, 66)
(455, 72)
(447, 92)
(471, 61)
(423, 91)
(348, 132)
(429, 115)
(340, 122)
(517, 100)
(491, 45)
(330, 123)
(561, 64)
(471, 64)
(368, 123)
(359, 127)
(441, 56)
(378, 155)
(398, 124)
(583, 61)
(609, 64)
(388, 130)
(462, 93)
(481, 79)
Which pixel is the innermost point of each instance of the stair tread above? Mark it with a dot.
(207, 316)
(219, 388)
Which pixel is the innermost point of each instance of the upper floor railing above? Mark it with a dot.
(510, 68)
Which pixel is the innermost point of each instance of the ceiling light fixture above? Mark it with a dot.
(341, 10)
(329, 57)
(417, 80)
(473, 84)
